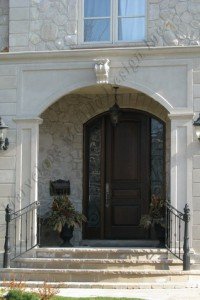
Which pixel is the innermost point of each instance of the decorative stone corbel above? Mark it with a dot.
(102, 69)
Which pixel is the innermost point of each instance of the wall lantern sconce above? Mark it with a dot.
(115, 110)
(197, 127)
(3, 135)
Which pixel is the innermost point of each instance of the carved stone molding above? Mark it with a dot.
(102, 69)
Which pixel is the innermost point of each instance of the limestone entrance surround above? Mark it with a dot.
(162, 74)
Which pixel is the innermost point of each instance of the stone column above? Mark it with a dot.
(27, 167)
(181, 161)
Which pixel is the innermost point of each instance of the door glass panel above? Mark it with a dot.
(157, 158)
(94, 205)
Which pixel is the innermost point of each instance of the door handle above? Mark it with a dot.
(107, 194)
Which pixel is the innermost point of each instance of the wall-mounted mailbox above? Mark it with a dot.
(59, 187)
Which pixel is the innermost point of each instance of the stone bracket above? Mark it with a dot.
(102, 69)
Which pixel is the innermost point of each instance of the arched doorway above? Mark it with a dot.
(61, 145)
(124, 166)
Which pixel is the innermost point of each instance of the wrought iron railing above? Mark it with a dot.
(177, 233)
(21, 232)
(25, 232)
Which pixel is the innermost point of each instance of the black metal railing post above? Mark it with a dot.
(23, 238)
(177, 242)
(186, 246)
(7, 246)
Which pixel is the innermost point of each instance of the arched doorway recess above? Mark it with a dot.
(62, 134)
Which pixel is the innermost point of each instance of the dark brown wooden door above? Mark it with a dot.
(127, 176)
(116, 176)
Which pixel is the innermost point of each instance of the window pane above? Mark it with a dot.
(97, 30)
(131, 29)
(131, 8)
(97, 8)
(157, 158)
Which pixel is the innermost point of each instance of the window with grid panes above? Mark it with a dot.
(109, 21)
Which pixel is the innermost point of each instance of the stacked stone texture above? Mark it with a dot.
(174, 22)
(53, 24)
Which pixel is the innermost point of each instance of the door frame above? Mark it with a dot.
(100, 235)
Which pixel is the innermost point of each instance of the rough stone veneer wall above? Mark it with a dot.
(4, 8)
(61, 140)
(174, 22)
(53, 24)
(43, 24)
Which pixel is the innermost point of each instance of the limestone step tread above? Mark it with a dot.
(102, 271)
(109, 253)
(111, 285)
(88, 252)
(100, 260)
(103, 249)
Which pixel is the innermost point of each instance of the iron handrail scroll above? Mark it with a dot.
(21, 235)
(177, 233)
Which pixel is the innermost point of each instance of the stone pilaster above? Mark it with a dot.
(27, 165)
(181, 162)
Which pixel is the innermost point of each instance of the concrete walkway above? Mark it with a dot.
(147, 294)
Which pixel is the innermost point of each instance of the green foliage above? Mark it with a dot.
(20, 295)
(63, 212)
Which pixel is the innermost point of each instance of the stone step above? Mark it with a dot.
(109, 285)
(100, 253)
(103, 276)
(82, 263)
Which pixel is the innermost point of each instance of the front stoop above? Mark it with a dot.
(126, 268)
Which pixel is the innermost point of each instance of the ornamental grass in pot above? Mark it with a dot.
(63, 218)
(155, 219)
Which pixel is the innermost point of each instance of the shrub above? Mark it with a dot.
(20, 295)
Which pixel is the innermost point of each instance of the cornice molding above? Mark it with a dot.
(181, 115)
(107, 52)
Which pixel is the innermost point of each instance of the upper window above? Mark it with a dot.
(114, 20)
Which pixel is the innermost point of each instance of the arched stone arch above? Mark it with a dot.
(62, 91)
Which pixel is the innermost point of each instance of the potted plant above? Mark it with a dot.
(155, 219)
(63, 218)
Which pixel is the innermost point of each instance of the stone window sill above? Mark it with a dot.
(109, 45)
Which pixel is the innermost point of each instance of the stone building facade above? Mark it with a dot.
(55, 25)
(49, 75)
